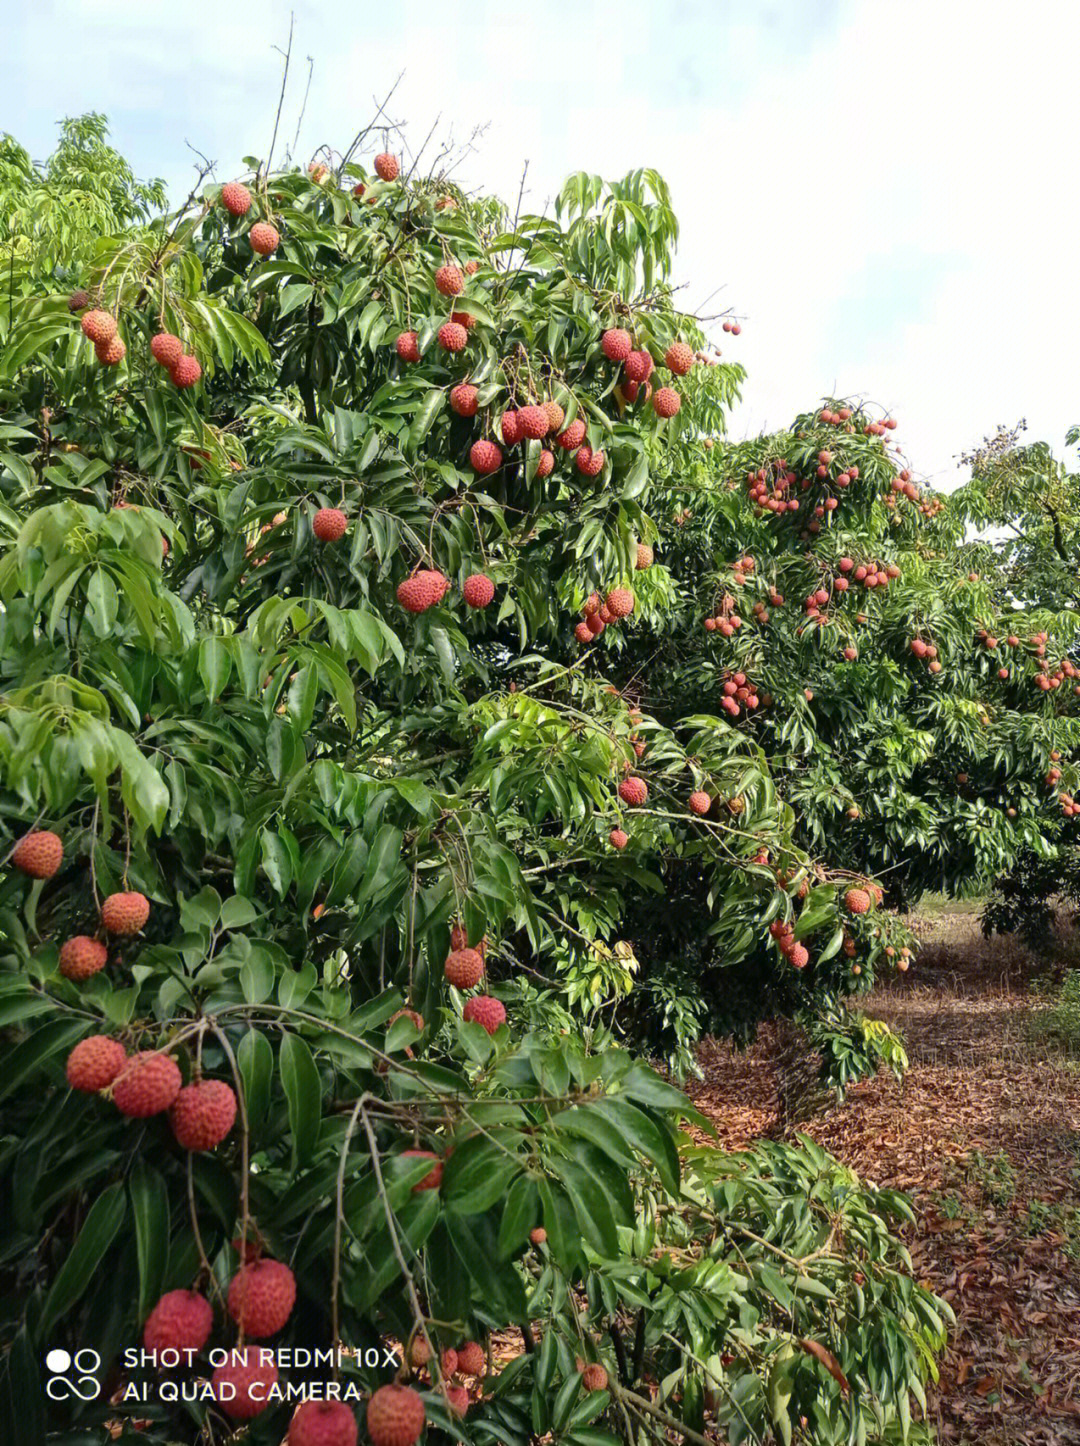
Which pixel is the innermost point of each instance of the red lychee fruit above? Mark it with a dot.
(181, 1321)
(419, 1352)
(264, 238)
(639, 365)
(457, 1398)
(323, 1423)
(679, 358)
(463, 968)
(203, 1114)
(589, 462)
(478, 590)
(147, 1084)
(261, 1297)
(422, 591)
(666, 402)
(111, 353)
(407, 348)
(594, 1378)
(571, 439)
(471, 1359)
(453, 337)
(590, 605)
(186, 372)
(471, 268)
(533, 422)
(633, 791)
(82, 957)
(395, 1416)
(617, 839)
(851, 654)
(700, 803)
(620, 602)
(166, 349)
(486, 457)
(38, 854)
(510, 427)
(604, 614)
(125, 913)
(538, 1236)
(798, 956)
(99, 327)
(433, 1180)
(464, 399)
(583, 633)
(329, 523)
(94, 1063)
(387, 167)
(449, 281)
(616, 344)
(241, 1386)
(857, 901)
(78, 300)
(236, 198)
(483, 1010)
(644, 557)
(555, 415)
(595, 624)
(545, 463)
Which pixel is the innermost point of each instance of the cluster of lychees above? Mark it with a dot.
(618, 345)
(598, 614)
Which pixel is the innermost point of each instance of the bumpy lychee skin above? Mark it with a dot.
(463, 968)
(595, 624)
(457, 1398)
(448, 1361)
(617, 839)
(125, 913)
(433, 1179)
(799, 956)
(485, 457)
(413, 1014)
(638, 366)
(644, 557)
(545, 463)
(181, 1321)
(38, 854)
(487, 1012)
(78, 300)
(453, 337)
(571, 439)
(203, 1114)
(261, 1297)
(387, 167)
(679, 358)
(111, 353)
(616, 344)
(666, 402)
(395, 1416)
(590, 463)
(555, 415)
(94, 1063)
(147, 1084)
(478, 590)
(323, 1423)
(166, 349)
(419, 1352)
(700, 803)
(464, 400)
(236, 198)
(633, 791)
(186, 372)
(533, 422)
(407, 346)
(98, 326)
(620, 602)
(583, 633)
(422, 591)
(510, 427)
(264, 238)
(449, 281)
(329, 523)
(251, 1379)
(471, 1359)
(538, 1236)
(82, 957)
(594, 1378)
(857, 901)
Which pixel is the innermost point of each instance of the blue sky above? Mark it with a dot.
(886, 194)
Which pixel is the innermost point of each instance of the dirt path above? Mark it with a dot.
(984, 1134)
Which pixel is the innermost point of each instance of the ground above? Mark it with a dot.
(984, 1135)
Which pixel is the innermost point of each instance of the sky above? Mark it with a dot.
(886, 195)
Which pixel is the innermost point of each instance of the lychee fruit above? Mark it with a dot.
(590, 463)
(644, 557)
(111, 353)
(545, 464)
(799, 956)
(261, 1297)
(82, 957)
(485, 457)
(94, 1063)
(449, 281)
(666, 401)
(322, 1423)
(433, 1179)
(617, 839)
(620, 602)
(242, 1384)
(419, 1352)
(186, 372)
(590, 605)
(595, 624)
(594, 1377)
(407, 347)
(264, 238)
(98, 326)
(457, 1398)
(483, 1010)
(236, 198)
(166, 349)
(583, 633)
(633, 791)
(639, 365)
(533, 422)
(616, 344)
(510, 427)
(471, 1359)
(125, 913)
(329, 523)
(395, 1416)
(555, 415)
(422, 591)
(700, 803)
(571, 439)
(181, 1321)
(463, 968)
(387, 167)
(478, 590)
(453, 337)
(38, 854)
(857, 901)
(679, 358)
(147, 1084)
(464, 399)
(203, 1114)
(78, 300)
(538, 1236)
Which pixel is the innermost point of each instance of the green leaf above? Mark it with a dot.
(150, 1211)
(303, 1094)
(99, 1230)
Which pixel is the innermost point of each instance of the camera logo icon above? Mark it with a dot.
(72, 1376)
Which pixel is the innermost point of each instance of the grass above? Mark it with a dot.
(1058, 1022)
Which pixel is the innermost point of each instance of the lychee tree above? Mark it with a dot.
(322, 827)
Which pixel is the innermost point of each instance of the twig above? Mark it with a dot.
(281, 97)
